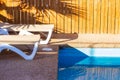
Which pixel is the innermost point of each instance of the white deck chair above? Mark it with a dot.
(24, 37)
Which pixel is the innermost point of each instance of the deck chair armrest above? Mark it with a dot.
(25, 32)
(47, 37)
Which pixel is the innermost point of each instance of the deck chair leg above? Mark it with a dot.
(18, 51)
(47, 39)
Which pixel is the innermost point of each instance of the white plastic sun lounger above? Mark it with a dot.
(25, 37)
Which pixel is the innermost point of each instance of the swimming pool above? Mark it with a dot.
(89, 64)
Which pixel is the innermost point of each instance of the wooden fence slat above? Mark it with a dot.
(111, 16)
(82, 16)
(118, 16)
(68, 16)
(97, 16)
(75, 16)
(90, 16)
(104, 16)
(80, 19)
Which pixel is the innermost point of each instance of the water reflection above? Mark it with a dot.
(89, 73)
(71, 73)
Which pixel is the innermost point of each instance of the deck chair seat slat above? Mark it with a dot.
(19, 39)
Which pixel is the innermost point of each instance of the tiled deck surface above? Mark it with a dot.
(43, 67)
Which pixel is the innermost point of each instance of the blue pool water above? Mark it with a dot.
(89, 64)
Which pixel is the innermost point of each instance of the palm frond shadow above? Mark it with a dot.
(34, 12)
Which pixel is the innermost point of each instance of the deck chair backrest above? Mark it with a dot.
(29, 27)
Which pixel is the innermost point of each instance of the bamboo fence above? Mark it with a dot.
(68, 16)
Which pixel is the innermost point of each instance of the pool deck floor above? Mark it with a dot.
(87, 40)
(43, 67)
